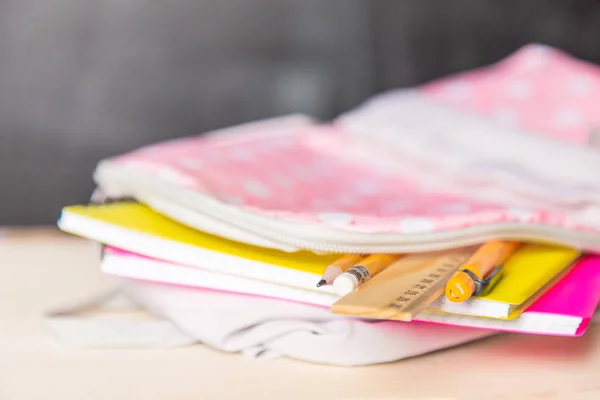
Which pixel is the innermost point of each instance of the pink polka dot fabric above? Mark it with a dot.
(538, 89)
(300, 171)
(313, 174)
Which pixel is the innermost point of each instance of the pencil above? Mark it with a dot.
(363, 271)
(462, 285)
(334, 270)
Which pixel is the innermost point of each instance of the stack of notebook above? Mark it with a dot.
(421, 176)
(545, 289)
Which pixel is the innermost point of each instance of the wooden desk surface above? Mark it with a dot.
(40, 269)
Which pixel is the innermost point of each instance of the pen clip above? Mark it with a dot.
(484, 286)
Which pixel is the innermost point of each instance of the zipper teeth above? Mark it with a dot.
(459, 239)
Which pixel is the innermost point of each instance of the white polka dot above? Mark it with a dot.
(565, 119)
(519, 89)
(336, 218)
(191, 163)
(534, 57)
(580, 86)
(506, 116)
(521, 214)
(417, 225)
(256, 188)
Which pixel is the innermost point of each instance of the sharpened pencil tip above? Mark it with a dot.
(321, 283)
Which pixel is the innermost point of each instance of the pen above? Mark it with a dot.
(363, 271)
(482, 265)
(340, 265)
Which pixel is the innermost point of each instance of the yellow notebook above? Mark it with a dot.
(136, 228)
(526, 275)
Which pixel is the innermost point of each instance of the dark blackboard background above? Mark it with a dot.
(82, 80)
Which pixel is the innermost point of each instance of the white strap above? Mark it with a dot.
(113, 320)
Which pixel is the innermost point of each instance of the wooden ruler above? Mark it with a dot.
(405, 288)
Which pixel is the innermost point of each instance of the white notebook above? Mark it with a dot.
(129, 265)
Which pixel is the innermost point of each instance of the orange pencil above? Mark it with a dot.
(338, 267)
(463, 285)
(363, 271)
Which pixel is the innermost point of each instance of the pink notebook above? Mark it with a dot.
(575, 295)
(565, 310)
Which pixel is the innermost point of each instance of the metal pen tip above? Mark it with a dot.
(321, 283)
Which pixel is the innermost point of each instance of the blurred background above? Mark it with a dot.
(83, 80)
